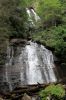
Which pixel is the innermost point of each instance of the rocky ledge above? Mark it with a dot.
(20, 42)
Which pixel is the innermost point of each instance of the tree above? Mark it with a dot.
(50, 11)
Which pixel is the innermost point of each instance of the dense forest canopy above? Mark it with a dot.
(14, 24)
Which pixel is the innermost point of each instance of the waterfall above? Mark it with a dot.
(33, 17)
(30, 17)
(30, 64)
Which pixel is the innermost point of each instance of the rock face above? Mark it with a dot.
(1, 98)
(38, 98)
(26, 97)
(16, 42)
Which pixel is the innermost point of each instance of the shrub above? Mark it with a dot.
(55, 90)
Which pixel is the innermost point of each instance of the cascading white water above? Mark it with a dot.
(30, 17)
(40, 64)
(30, 64)
(33, 17)
(33, 62)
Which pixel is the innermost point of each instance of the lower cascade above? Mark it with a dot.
(27, 65)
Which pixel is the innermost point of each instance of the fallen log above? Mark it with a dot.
(29, 89)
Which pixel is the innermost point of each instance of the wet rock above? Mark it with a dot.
(18, 42)
(38, 98)
(26, 97)
(18, 9)
(56, 60)
(50, 48)
(48, 97)
(1, 98)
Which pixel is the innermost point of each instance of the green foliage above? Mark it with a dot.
(26, 3)
(7, 8)
(50, 11)
(55, 38)
(29, 3)
(18, 23)
(55, 90)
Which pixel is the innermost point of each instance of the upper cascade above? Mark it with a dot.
(33, 17)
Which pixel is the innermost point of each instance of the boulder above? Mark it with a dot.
(26, 97)
(1, 98)
(38, 98)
